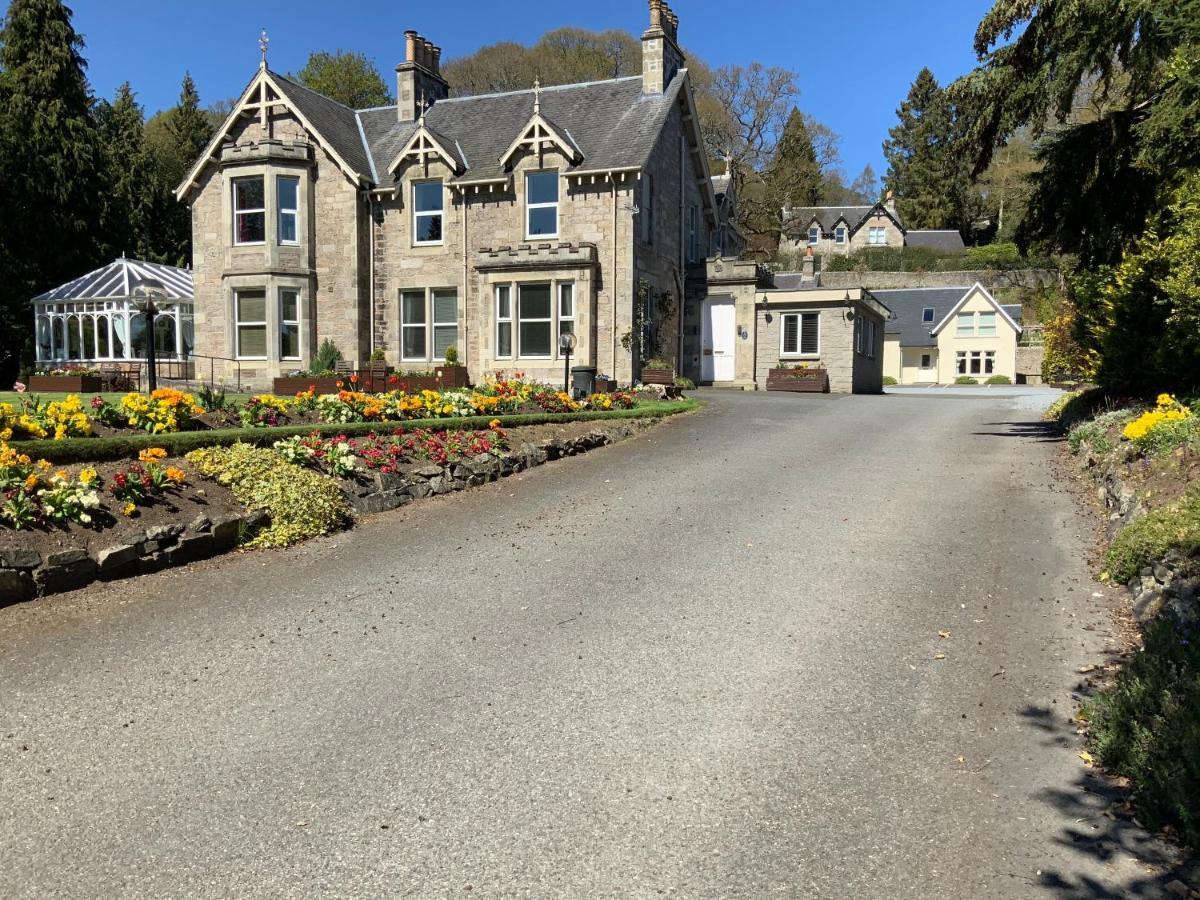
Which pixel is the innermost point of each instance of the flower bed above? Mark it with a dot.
(798, 380)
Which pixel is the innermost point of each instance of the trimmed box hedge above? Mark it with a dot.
(78, 450)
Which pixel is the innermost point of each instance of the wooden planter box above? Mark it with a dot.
(453, 376)
(803, 381)
(70, 384)
(659, 376)
(605, 385)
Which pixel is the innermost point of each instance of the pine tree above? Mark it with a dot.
(50, 162)
(189, 129)
(795, 174)
(132, 184)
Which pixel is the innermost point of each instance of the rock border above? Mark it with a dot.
(25, 575)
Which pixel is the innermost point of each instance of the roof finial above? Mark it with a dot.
(263, 43)
(421, 109)
(537, 95)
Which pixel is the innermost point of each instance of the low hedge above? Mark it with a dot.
(77, 450)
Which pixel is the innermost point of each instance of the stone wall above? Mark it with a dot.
(992, 280)
(849, 371)
(1029, 363)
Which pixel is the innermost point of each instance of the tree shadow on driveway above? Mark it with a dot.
(1102, 829)
(1042, 432)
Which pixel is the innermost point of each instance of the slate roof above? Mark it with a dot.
(117, 280)
(935, 240)
(907, 306)
(612, 123)
(800, 217)
(795, 281)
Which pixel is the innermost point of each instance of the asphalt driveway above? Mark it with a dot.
(786, 646)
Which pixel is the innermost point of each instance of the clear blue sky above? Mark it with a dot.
(855, 60)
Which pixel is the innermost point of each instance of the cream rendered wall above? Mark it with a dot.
(1004, 344)
(911, 371)
(891, 357)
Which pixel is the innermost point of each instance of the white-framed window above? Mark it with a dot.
(445, 321)
(814, 234)
(877, 236)
(541, 204)
(287, 189)
(800, 334)
(535, 321)
(926, 361)
(414, 343)
(504, 321)
(987, 324)
(427, 203)
(289, 323)
(250, 323)
(927, 315)
(964, 325)
(693, 234)
(975, 362)
(839, 234)
(646, 207)
(566, 309)
(249, 210)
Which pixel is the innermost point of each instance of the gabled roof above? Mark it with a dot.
(936, 240)
(800, 218)
(539, 131)
(117, 280)
(907, 306)
(424, 141)
(977, 288)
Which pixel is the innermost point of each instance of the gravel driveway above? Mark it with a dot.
(787, 646)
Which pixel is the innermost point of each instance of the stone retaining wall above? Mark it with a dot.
(992, 280)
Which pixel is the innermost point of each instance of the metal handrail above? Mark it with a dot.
(187, 361)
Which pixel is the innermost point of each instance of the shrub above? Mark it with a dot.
(995, 256)
(300, 502)
(1056, 409)
(1094, 434)
(378, 355)
(888, 380)
(1174, 526)
(1146, 727)
(452, 355)
(684, 384)
(966, 379)
(327, 357)
(999, 379)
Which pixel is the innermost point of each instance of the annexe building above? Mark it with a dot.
(493, 223)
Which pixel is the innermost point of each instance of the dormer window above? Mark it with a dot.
(877, 236)
(839, 234)
(541, 204)
(249, 210)
(427, 201)
(814, 234)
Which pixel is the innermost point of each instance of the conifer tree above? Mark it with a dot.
(50, 164)
(132, 184)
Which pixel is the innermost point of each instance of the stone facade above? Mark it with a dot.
(795, 241)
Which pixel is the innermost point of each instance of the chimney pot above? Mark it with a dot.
(656, 13)
(410, 46)
(437, 60)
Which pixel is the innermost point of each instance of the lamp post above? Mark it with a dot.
(566, 343)
(147, 291)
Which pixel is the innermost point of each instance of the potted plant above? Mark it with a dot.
(605, 384)
(69, 379)
(320, 377)
(453, 374)
(658, 371)
(801, 379)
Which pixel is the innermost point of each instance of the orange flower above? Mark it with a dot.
(152, 455)
(494, 424)
(339, 385)
(175, 474)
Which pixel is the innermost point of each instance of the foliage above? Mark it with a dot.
(684, 383)
(966, 379)
(212, 398)
(1005, 185)
(349, 78)
(332, 455)
(889, 381)
(1173, 526)
(452, 355)
(555, 401)
(175, 138)
(57, 420)
(1146, 727)
(140, 482)
(1000, 257)
(327, 356)
(1054, 412)
(299, 502)
(31, 496)
(1168, 425)
(1066, 359)
(130, 196)
(164, 411)
(378, 355)
(999, 379)
(928, 174)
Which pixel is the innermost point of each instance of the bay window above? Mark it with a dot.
(566, 310)
(504, 321)
(250, 323)
(249, 210)
(427, 201)
(289, 323)
(445, 322)
(800, 334)
(535, 318)
(541, 204)
(287, 187)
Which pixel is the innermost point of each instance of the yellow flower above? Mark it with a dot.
(152, 454)
(129, 509)
(88, 476)
(494, 424)
(31, 482)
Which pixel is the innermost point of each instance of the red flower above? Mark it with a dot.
(354, 378)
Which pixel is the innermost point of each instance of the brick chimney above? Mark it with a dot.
(419, 78)
(808, 268)
(661, 56)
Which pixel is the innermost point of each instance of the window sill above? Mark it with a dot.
(236, 245)
(418, 244)
(252, 359)
(287, 244)
(808, 356)
(541, 237)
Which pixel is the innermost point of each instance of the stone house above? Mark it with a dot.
(936, 335)
(842, 230)
(494, 224)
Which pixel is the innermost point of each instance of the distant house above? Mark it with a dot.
(936, 335)
(846, 229)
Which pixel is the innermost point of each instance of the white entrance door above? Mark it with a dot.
(719, 340)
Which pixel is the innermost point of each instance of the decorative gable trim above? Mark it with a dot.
(874, 210)
(420, 147)
(261, 95)
(977, 288)
(535, 136)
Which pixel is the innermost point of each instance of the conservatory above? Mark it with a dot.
(96, 319)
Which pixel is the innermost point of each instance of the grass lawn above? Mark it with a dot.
(14, 397)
